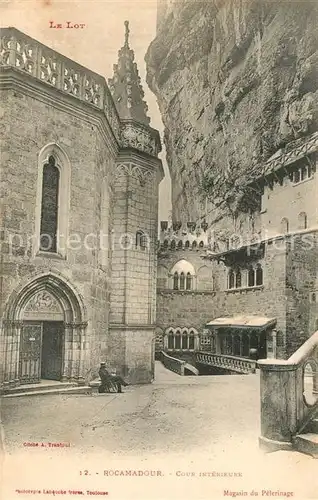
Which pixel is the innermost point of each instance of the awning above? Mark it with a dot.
(257, 322)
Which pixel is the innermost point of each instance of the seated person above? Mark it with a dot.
(108, 379)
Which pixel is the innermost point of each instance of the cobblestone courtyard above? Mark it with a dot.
(178, 425)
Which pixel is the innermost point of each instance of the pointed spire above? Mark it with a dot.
(127, 31)
(125, 86)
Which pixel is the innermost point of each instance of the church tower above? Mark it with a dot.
(135, 220)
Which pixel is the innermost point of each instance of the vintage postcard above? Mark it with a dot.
(159, 249)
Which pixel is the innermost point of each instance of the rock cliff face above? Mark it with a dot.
(236, 80)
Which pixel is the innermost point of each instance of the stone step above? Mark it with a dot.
(42, 386)
(52, 391)
(307, 443)
(312, 426)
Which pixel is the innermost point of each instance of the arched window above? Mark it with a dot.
(187, 244)
(49, 206)
(165, 244)
(238, 279)
(170, 339)
(179, 244)
(251, 277)
(141, 240)
(259, 275)
(173, 245)
(182, 281)
(184, 340)
(231, 279)
(183, 275)
(177, 340)
(189, 281)
(201, 244)
(194, 245)
(284, 225)
(302, 220)
(176, 281)
(191, 340)
(52, 201)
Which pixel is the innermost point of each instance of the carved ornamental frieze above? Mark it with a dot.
(25, 54)
(143, 175)
(134, 135)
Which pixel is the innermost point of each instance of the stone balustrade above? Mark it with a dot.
(289, 395)
(231, 363)
(29, 57)
(173, 364)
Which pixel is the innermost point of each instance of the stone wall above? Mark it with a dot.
(32, 122)
(133, 296)
(195, 308)
(301, 283)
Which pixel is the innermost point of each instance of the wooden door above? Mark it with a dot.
(52, 350)
(30, 353)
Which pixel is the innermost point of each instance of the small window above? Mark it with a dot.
(182, 281)
(187, 244)
(166, 244)
(184, 340)
(176, 281)
(179, 244)
(173, 245)
(191, 340)
(189, 282)
(177, 340)
(201, 244)
(284, 225)
(296, 176)
(238, 279)
(194, 244)
(141, 240)
(231, 279)
(259, 275)
(303, 173)
(251, 277)
(302, 220)
(170, 340)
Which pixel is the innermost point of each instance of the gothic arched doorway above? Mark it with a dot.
(45, 333)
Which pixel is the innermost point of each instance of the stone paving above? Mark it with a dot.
(179, 424)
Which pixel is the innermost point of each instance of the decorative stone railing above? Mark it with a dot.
(174, 364)
(231, 363)
(28, 56)
(289, 395)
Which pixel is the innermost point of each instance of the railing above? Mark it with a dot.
(28, 56)
(231, 363)
(174, 364)
(289, 395)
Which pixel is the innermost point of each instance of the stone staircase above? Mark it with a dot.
(47, 388)
(307, 441)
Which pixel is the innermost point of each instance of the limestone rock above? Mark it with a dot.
(235, 81)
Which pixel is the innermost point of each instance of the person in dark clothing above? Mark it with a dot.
(108, 379)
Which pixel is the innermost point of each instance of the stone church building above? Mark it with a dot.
(79, 204)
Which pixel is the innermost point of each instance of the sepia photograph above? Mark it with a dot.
(159, 249)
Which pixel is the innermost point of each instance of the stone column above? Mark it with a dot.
(16, 330)
(83, 347)
(279, 380)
